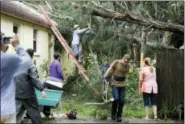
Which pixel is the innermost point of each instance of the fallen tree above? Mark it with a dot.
(128, 16)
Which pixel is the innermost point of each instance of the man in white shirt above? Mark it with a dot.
(76, 39)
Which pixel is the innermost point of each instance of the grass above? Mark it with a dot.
(69, 104)
(136, 111)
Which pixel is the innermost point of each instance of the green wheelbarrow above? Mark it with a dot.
(53, 97)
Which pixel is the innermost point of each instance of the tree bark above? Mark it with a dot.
(131, 17)
(167, 36)
(143, 46)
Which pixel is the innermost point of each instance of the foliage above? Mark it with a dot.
(107, 37)
(176, 112)
(133, 97)
(44, 67)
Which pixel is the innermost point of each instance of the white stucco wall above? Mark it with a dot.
(26, 37)
(68, 64)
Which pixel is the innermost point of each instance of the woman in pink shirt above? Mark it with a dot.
(148, 86)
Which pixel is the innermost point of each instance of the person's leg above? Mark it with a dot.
(153, 98)
(47, 111)
(121, 103)
(32, 108)
(20, 110)
(115, 102)
(75, 48)
(146, 104)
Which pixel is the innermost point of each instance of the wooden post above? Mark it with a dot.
(143, 47)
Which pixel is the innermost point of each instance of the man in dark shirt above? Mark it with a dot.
(25, 91)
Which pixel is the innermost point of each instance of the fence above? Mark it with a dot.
(170, 78)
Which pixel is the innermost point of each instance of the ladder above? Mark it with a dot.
(68, 49)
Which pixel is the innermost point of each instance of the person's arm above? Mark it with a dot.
(82, 31)
(141, 79)
(59, 70)
(155, 73)
(108, 74)
(22, 60)
(128, 69)
(34, 77)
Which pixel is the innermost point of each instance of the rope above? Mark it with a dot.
(106, 94)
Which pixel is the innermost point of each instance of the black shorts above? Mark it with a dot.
(149, 97)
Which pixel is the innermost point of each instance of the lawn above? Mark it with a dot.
(136, 111)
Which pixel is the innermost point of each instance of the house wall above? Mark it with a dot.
(67, 63)
(25, 33)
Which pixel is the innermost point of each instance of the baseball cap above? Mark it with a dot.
(76, 26)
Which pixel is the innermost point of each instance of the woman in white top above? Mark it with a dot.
(148, 86)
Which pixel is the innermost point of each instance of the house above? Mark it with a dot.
(30, 26)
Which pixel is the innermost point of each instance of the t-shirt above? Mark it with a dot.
(76, 35)
(149, 81)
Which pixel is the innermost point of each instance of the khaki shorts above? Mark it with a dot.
(8, 119)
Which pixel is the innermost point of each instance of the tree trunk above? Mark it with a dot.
(167, 36)
(131, 17)
(138, 48)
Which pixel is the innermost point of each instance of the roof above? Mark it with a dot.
(20, 10)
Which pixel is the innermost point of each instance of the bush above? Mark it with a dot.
(44, 69)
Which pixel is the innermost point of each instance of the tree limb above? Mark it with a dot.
(119, 5)
(156, 45)
(125, 5)
(48, 5)
(153, 44)
(132, 18)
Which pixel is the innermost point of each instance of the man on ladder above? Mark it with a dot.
(77, 33)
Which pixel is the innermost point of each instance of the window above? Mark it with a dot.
(15, 29)
(35, 40)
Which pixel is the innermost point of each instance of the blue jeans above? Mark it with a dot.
(119, 99)
(75, 48)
